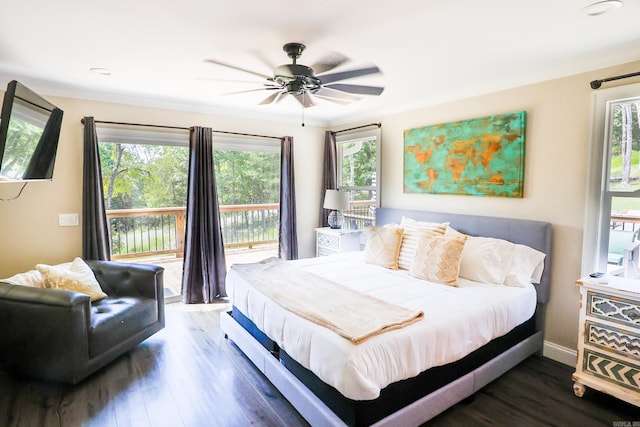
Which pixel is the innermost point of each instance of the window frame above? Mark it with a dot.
(599, 197)
(355, 137)
(142, 135)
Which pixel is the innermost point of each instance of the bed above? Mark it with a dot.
(383, 387)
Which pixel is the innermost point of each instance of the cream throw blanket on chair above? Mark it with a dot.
(349, 313)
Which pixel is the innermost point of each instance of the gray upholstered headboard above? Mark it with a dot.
(536, 234)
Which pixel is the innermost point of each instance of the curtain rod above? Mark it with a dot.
(359, 127)
(595, 84)
(180, 128)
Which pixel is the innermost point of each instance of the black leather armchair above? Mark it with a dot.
(61, 336)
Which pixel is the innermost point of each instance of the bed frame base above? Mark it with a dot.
(420, 411)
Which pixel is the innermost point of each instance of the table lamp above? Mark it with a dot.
(336, 201)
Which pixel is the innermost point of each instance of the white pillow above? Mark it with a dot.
(483, 259)
(412, 229)
(77, 277)
(497, 261)
(31, 278)
(537, 273)
(523, 265)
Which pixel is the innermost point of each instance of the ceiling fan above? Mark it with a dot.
(301, 82)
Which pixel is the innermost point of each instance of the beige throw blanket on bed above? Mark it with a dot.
(352, 314)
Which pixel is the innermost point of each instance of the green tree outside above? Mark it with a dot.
(138, 176)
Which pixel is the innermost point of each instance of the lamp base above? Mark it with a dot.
(335, 219)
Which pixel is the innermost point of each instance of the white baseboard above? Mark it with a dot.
(559, 353)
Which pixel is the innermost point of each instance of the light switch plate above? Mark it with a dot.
(68, 220)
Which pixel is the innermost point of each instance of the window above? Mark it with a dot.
(248, 183)
(613, 195)
(144, 175)
(145, 178)
(358, 167)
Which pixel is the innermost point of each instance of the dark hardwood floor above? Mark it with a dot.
(189, 375)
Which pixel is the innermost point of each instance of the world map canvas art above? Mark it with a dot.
(479, 157)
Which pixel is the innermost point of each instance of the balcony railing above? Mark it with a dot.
(360, 214)
(249, 225)
(159, 231)
(625, 222)
(147, 231)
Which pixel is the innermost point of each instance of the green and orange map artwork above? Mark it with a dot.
(479, 157)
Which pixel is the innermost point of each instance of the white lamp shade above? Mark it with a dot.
(336, 200)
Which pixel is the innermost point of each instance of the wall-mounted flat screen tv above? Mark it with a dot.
(29, 133)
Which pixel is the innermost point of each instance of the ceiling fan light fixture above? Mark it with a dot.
(602, 7)
(295, 87)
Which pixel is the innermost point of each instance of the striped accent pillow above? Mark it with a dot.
(412, 229)
(438, 258)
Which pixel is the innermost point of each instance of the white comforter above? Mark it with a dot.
(457, 321)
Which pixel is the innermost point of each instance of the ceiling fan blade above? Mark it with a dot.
(329, 62)
(252, 90)
(327, 92)
(210, 79)
(363, 90)
(263, 59)
(305, 99)
(336, 100)
(213, 61)
(343, 75)
(274, 97)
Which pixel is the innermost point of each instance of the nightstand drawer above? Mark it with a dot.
(328, 240)
(324, 251)
(609, 342)
(624, 342)
(608, 368)
(331, 241)
(614, 309)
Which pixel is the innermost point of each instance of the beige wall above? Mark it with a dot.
(557, 137)
(29, 224)
(557, 140)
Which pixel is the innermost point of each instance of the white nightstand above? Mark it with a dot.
(609, 338)
(331, 241)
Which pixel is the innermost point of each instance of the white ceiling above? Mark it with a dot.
(429, 51)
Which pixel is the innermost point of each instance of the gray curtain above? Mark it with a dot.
(95, 228)
(288, 236)
(204, 268)
(329, 173)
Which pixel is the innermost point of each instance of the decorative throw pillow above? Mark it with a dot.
(437, 259)
(31, 278)
(410, 238)
(76, 277)
(452, 231)
(383, 246)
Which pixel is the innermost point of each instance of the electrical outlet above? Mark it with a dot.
(68, 220)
